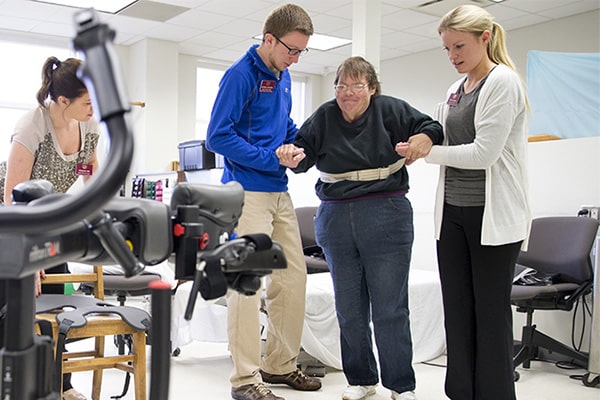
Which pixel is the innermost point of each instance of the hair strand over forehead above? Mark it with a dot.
(357, 68)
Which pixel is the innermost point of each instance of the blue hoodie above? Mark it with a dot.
(249, 120)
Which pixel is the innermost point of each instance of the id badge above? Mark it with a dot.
(453, 99)
(84, 169)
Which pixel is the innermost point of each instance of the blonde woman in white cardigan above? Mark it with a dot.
(482, 214)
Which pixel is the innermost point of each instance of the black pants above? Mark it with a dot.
(476, 286)
(46, 289)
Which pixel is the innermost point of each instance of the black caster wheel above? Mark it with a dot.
(591, 380)
(516, 375)
(176, 352)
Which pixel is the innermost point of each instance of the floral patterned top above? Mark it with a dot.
(36, 132)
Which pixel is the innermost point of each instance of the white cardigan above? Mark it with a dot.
(499, 148)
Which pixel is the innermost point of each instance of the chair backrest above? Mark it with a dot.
(306, 223)
(561, 245)
(95, 277)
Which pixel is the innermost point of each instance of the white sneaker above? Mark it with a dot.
(358, 392)
(404, 395)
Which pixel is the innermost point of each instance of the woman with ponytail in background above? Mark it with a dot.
(482, 214)
(55, 142)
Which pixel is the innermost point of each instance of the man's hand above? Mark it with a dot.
(290, 155)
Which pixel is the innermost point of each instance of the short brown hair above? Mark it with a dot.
(288, 18)
(357, 67)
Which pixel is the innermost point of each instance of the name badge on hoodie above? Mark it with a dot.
(267, 86)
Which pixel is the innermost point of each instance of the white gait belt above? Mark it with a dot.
(373, 174)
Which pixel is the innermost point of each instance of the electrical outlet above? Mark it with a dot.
(589, 211)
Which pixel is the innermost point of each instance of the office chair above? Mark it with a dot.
(313, 255)
(315, 263)
(559, 247)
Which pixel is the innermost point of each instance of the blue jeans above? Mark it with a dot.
(367, 244)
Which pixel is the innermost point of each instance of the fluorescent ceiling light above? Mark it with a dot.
(110, 6)
(325, 42)
(321, 42)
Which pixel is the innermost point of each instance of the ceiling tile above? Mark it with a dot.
(201, 20)
(326, 24)
(402, 39)
(344, 11)
(131, 25)
(404, 19)
(153, 10)
(322, 6)
(522, 21)
(171, 32)
(214, 29)
(15, 23)
(235, 8)
(536, 6)
(240, 28)
(215, 39)
(573, 8)
(57, 29)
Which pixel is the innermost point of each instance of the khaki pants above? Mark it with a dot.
(273, 214)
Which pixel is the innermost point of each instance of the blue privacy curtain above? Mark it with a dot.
(564, 93)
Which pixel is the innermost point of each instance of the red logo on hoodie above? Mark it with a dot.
(267, 86)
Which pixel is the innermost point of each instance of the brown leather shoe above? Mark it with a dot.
(295, 379)
(73, 394)
(256, 391)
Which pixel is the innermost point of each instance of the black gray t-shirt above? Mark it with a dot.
(464, 187)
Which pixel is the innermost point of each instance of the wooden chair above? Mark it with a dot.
(99, 324)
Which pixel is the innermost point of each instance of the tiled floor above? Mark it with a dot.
(201, 372)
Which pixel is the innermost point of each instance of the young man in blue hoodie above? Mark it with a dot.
(250, 120)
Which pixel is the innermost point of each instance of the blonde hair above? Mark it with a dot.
(475, 20)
